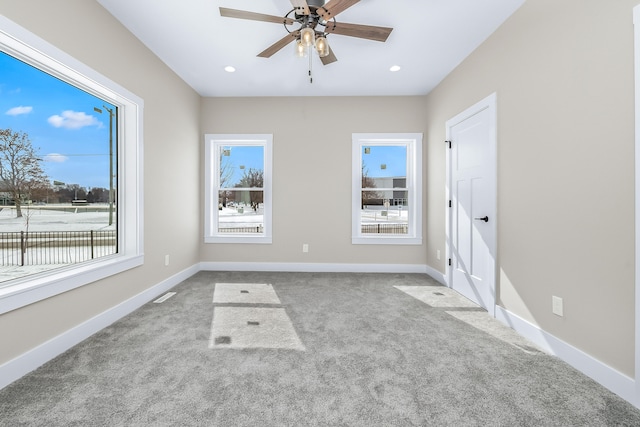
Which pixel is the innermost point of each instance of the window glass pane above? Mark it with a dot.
(386, 189)
(58, 172)
(380, 214)
(241, 166)
(384, 166)
(238, 188)
(240, 211)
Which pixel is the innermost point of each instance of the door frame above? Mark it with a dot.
(636, 22)
(490, 103)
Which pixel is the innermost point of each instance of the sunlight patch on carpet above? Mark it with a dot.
(458, 307)
(245, 293)
(482, 321)
(252, 327)
(437, 296)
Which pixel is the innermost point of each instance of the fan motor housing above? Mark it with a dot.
(315, 3)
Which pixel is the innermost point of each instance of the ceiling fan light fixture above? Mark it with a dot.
(308, 36)
(300, 49)
(322, 46)
(310, 14)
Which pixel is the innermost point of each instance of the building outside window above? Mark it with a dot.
(238, 188)
(387, 189)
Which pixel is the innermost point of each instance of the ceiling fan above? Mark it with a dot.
(315, 21)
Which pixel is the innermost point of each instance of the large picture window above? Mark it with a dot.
(238, 189)
(386, 189)
(70, 172)
(57, 172)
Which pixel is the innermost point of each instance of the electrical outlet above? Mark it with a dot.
(556, 306)
(166, 260)
(305, 247)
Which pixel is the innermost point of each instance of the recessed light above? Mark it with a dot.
(394, 68)
(229, 69)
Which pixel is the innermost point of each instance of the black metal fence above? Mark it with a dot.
(253, 229)
(55, 247)
(381, 228)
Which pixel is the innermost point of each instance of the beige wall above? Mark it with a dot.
(312, 173)
(87, 32)
(563, 74)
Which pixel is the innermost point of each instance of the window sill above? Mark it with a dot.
(266, 240)
(31, 289)
(386, 240)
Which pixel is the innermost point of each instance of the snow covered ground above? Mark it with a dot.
(96, 217)
(231, 217)
(55, 218)
(393, 214)
(50, 218)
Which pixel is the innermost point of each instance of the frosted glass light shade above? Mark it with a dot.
(322, 46)
(300, 49)
(307, 35)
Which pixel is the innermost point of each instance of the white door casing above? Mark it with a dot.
(471, 194)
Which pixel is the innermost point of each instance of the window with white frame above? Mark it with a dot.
(238, 188)
(102, 111)
(386, 202)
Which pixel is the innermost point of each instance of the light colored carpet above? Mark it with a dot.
(468, 312)
(245, 293)
(374, 356)
(251, 327)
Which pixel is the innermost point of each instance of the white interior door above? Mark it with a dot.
(472, 192)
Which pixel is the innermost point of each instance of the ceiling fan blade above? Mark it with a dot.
(301, 7)
(369, 32)
(279, 44)
(334, 7)
(329, 58)
(253, 16)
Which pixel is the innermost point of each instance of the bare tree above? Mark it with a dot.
(79, 193)
(226, 170)
(100, 195)
(253, 178)
(21, 174)
(226, 173)
(368, 183)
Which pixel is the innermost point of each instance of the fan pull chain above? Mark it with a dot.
(310, 62)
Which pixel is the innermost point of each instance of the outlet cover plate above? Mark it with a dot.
(557, 306)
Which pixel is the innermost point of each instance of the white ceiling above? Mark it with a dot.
(429, 39)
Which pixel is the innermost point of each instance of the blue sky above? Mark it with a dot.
(241, 159)
(70, 137)
(394, 157)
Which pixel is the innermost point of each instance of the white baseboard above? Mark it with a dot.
(314, 267)
(607, 376)
(12, 370)
(438, 276)
(31, 360)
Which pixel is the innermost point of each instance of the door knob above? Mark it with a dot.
(484, 218)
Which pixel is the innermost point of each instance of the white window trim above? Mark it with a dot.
(212, 173)
(29, 48)
(413, 142)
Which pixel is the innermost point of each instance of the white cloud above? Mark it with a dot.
(73, 120)
(55, 157)
(16, 111)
